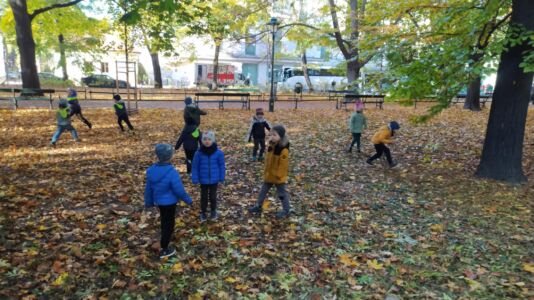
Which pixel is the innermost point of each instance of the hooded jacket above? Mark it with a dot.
(383, 136)
(63, 116)
(357, 122)
(277, 162)
(208, 165)
(120, 108)
(192, 115)
(189, 138)
(164, 186)
(256, 129)
(74, 105)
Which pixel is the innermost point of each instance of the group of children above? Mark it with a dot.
(206, 163)
(67, 108)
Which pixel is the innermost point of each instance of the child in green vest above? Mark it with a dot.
(121, 112)
(357, 123)
(63, 123)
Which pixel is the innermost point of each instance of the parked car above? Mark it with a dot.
(102, 80)
(48, 76)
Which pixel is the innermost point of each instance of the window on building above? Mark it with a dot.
(250, 48)
(323, 52)
(104, 67)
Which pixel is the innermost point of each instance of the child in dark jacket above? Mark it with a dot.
(192, 113)
(256, 131)
(121, 112)
(75, 108)
(189, 138)
(209, 170)
(276, 171)
(164, 189)
(63, 123)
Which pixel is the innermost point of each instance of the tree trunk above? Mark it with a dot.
(62, 57)
(353, 70)
(216, 64)
(472, 99)
(4, 54)
(503, 147)
(25, 43)
(305, 70)
(158, 81)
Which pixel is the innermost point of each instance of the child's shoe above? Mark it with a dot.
(260, 158)
(255, 210)
(167, 252)
(369, 162)
(282, 214)
(393, 164)
(214, 215)
(203, 218)
(349, 150)
(253, 159)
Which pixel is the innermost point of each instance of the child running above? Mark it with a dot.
(357, 123)
(276, 171)
(256, 132)
(164, 189)
(63, 123)
(382, 137)
(209, 170)
(75, 108)
(121, 112)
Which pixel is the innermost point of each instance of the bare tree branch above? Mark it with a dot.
(337, 32)
(54, 6)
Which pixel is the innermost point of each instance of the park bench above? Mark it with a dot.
(483, 99)
(27, 94)
(254, 92)
(378, 100)
(334, 95)
(222, 98)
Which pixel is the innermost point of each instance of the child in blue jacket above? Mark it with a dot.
(209, 170)
(164, 189)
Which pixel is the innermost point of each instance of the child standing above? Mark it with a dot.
(256, 131)
(209, 170)
(357, 123)
(63, 123)
(121, 112)
(276, 171)
(75, 108)
(164, 189)
(380, 139)
(189, 139)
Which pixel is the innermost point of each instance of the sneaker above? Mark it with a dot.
(90, 126)
(260, 158)
(253, 159)
(349, 149)
(393, 164)
(53, 144)
(167, 252)
(369, 162)
(255, 210)
(214, 215)
(282, 214)
(203, 218)
(359, 150)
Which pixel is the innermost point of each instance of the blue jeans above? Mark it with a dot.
(61, 128)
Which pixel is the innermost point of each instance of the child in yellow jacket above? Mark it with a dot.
(382, 137)
(276, 171)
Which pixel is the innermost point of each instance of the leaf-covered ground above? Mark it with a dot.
(73, 226)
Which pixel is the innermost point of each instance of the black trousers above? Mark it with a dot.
(78, 112)
(208, 192)
(258, 144)
(382, 149)
(356, 140)
(167, 223)
(189, 155)
(126, 120)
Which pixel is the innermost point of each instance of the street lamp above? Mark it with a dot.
(273, 23)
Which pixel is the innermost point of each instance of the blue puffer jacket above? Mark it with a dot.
(164, 186)
(208, 166)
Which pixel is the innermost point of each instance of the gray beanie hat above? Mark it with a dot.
(280, 130)
(164, 152)
(62, 103)
(209, 135)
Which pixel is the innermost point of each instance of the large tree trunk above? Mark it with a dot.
(26, 44)
(216, 64)
(158, 81)
(62, 56)
(353, 70)
(472, 99)
(305, 70)
(503, 147)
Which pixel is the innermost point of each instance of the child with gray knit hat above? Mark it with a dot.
(164, 189)
(209, 170)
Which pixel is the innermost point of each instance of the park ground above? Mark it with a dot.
(73, 225)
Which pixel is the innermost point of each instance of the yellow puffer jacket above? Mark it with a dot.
(382, 136)
(277, 162)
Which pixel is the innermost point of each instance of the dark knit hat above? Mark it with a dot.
(393, 125)
(72, 92)
(117, 97)
(280, 130)
(188, 100)
(164, 152)
(259, 111)
(62, 103)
